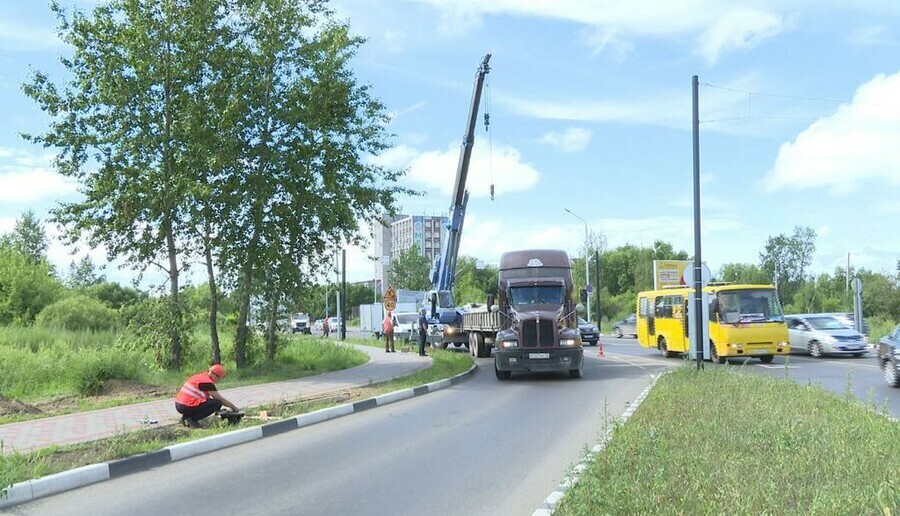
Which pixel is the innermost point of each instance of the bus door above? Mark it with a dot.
(679, 316)
(645, 325)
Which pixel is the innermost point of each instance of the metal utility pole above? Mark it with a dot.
(587, 274)
(597, 284)
(343, 312)
(698, 272)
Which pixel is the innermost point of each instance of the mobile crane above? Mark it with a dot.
(445, 317)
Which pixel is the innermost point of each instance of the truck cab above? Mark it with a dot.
(300, 323)
(539, 323)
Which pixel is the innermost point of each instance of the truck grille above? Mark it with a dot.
(538, 333)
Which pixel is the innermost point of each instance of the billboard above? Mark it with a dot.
(670, 273)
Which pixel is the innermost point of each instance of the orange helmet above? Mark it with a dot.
(217, 370)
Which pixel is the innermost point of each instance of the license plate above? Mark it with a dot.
(539, 355)
(759, 352)
(853, 347)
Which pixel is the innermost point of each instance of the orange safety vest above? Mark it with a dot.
(387, 325)
(190, 393)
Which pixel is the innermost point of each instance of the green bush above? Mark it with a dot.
(94, 367)
(79, 313)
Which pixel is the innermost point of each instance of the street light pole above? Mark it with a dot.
(587, 276)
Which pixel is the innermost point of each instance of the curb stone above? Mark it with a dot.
(56, 483)
(549, 505)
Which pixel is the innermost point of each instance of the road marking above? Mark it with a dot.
(776, 366)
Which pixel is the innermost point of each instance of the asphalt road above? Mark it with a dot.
(481, 447)
(861, 375)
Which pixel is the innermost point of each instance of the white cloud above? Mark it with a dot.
(724, 26)
(16, 36)
(435, 171)
(888, 207)
(738, 30)
(870, 36)
(25, 178)
(407, 110)
(671, 110)
(573, 139)
(857, 143)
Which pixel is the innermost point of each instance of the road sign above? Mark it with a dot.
(590, 289)
(389, 305)
(390, 294)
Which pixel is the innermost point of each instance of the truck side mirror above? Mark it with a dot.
(490, 302)
(433, 304)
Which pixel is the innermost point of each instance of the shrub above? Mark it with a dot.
(79, 313)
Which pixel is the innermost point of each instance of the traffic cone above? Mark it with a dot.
(600, 350)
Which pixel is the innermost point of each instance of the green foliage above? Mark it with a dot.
(28, 237)
(77, 313)
(473, 284)
(410, 269)
(786, 259)
(114, 295)
(94, 367)
(83, 273)
(739, 450)
(26, 287)
(744, 273)
(630, 268)
(149, 329)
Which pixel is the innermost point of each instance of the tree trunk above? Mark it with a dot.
(245, 287)
(213, 306)
(174, 308)
(270, 334)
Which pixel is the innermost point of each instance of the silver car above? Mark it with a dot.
(823, 334)
(627, 326)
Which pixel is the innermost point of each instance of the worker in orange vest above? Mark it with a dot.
(387, 327)
(198, 398)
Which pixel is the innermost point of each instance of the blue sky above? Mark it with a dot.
(590, 107)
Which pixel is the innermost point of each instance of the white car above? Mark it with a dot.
(823, 334)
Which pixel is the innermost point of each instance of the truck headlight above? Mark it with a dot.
(448, 330)
(567, 342)
(509, 343)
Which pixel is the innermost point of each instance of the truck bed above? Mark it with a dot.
(481, 320)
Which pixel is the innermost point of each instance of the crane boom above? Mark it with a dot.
(444, 271)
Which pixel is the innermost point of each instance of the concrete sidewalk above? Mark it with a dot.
(97, 424)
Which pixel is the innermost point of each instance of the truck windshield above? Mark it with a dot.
(751, 305)
(536, 295)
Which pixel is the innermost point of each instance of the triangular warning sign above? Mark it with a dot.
(390, 294)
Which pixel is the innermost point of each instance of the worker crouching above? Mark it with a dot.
(198, 398)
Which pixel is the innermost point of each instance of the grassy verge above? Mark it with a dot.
(18, 467)
(65, 376)
(726, 442)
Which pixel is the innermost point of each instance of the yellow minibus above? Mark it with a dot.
(744, 321)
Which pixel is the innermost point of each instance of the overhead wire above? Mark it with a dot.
(750, 116)
(487, 123)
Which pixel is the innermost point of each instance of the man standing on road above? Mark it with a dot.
(326, 328)
(199, 398)
(387, 327)
(423, 331)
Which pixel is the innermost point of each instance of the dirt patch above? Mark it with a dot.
(122, 388)
(115, 392)
(10, 406)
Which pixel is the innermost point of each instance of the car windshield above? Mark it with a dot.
(825, 323)
(536, 295)
(582, 321)
(406, 318)
(750, 305)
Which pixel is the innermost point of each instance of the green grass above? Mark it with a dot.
(17, 467)
(39, 365)
(725, 442)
